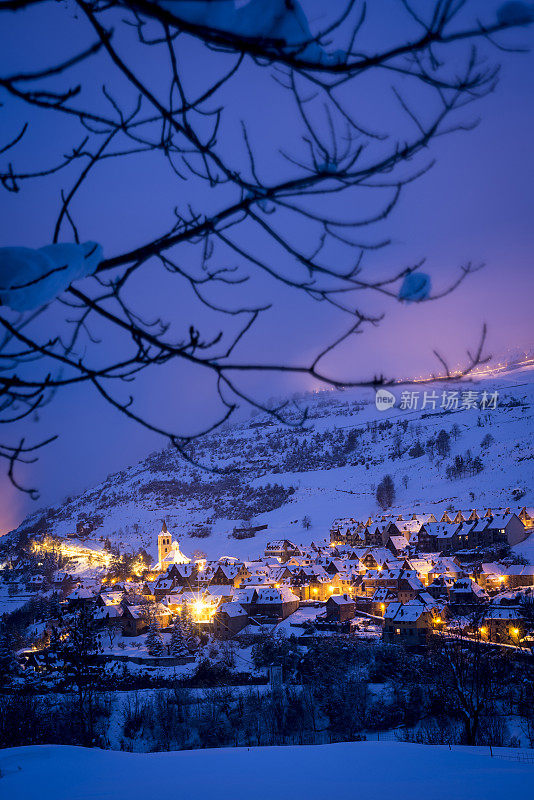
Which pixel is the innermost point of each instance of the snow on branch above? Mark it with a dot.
(32, 278)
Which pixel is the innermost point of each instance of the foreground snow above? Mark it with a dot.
(372, 769)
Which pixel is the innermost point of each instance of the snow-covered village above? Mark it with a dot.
(266, 399)
(288, 625)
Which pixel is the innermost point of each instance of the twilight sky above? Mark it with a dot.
(475, 204)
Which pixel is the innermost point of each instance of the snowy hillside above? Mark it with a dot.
(376, 769)
(275, 475)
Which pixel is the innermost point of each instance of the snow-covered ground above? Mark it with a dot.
(9, 604)
(378, 770)
(130, 505)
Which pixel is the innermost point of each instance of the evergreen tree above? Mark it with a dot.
(154, 643)
(443, 443)
(77, 649)
(178, 645)
(8, 662)
(188, 627)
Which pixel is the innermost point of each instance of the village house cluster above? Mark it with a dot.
(403, 577)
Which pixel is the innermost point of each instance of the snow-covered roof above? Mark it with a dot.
(110, 598)
(232, 609)
(412, 525)
(280, 544)
(421, 565)
(264, 595)
(107, 612)
(275, 595)
(494, 568)
(164, 583)
(427, 600)
(341, 600)
(381, 594)
(443, 530)
(409, 612)
(220, 590)
(410, 582)
(399, 542)
(500, 520)
(502, 612)
(80, 594)
(479, 525)
(145, 612)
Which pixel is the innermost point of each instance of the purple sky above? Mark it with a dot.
(476, 204)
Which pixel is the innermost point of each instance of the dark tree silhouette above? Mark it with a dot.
(77, 649)
(101, 331)
(443, 443)
(385, 492)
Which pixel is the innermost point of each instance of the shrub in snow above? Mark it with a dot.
(417, 450)
(31, 278)
(385, 492)
(464, 465)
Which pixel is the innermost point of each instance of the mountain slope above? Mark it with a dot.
(275, 475)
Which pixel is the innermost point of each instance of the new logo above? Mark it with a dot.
(384, 400)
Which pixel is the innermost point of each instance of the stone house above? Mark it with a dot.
(340, 608)
(282, 549)
(233, 574)
(508, 528)
(136, 618)
(267, 601)
(503, 623)
(409, 625)
(229, 620)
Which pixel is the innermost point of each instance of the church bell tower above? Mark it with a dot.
(164, 543)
